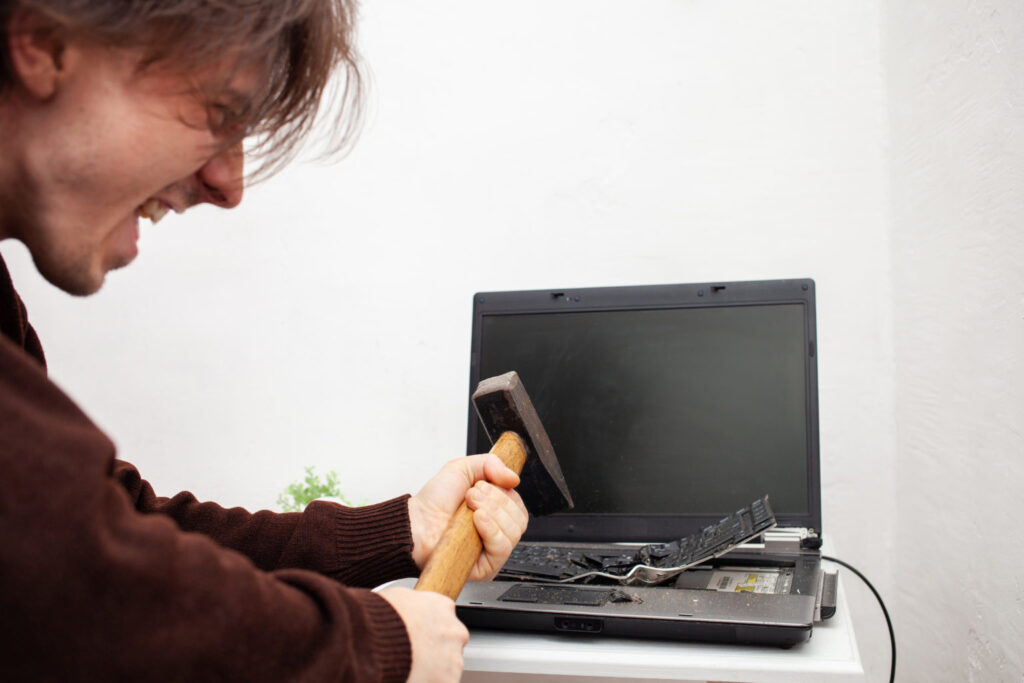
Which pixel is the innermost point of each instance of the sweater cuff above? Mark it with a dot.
(390, 638)
(374, 543)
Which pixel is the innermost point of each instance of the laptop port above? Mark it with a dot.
(578, 624)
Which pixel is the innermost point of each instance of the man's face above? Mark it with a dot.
(117, 139)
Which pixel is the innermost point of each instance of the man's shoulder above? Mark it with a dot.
(36, 417)
(31, 405)
(14, 324)
(20, 370)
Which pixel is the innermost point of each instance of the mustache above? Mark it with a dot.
(191, 197)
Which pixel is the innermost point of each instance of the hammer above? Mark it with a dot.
(519, 439)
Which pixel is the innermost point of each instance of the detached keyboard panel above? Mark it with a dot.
(649, 564)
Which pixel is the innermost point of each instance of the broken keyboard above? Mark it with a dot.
(649, 564)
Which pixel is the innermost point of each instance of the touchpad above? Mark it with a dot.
(563, 595)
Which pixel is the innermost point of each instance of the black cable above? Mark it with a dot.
(888, 621)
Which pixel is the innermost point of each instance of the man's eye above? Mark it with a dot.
(218, 117)
(223, 120)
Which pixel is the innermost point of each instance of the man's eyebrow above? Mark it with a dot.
(241, 105)
(237, 97)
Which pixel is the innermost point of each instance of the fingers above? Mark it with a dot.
(431, 509)
(500, 518)
(486, 466)
(497, 473)
(503, 506)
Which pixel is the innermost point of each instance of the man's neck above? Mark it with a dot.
(14, 191)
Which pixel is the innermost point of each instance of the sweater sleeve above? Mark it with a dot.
(92, 589)
(364, 546)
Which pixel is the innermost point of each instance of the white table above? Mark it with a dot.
(831, 655)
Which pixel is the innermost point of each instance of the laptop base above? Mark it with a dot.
(780, 613)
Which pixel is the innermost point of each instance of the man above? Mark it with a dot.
(114, 109)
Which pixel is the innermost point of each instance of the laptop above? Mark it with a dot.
(670, 407)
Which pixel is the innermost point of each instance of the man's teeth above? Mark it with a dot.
(153, 210)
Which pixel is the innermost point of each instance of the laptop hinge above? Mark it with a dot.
(791, 539)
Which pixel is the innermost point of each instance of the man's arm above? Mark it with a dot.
(363, 546)
(92, 589)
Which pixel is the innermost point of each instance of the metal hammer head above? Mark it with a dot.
(504, 406)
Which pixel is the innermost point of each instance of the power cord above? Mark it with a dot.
(888, 621)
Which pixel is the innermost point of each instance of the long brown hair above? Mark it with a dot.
(299, 44)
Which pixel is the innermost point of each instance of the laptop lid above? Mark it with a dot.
(668, 406)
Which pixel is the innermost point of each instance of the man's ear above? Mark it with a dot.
(36, 45)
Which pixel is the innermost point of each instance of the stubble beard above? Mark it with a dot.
(72, 267)
(20, 218)
(72, 273)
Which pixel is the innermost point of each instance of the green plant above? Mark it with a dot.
(299, 494)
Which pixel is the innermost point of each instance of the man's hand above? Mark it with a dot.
(436, 635)
(499, 515)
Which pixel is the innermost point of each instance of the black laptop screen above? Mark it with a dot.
(678, 411)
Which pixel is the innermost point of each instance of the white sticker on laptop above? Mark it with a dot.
(731, 581)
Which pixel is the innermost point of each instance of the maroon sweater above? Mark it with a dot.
(100, 579)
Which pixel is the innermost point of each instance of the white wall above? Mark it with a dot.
(326, 321)
(956, 92)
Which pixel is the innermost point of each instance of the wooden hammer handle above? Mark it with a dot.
(455, 554)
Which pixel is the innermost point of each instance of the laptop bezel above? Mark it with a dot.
(604, 527)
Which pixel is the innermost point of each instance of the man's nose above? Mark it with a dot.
(222, 178)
